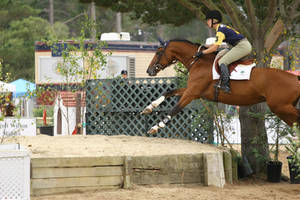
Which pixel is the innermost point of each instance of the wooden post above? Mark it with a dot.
(78, 113)
(127, 172)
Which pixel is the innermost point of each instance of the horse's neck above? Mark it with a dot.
(184, 53)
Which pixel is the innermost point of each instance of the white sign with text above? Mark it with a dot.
(18, 126)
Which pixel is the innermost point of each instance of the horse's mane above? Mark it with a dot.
(184, 40)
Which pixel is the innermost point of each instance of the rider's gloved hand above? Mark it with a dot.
(198, 54)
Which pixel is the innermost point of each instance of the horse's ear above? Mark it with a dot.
(161, 41)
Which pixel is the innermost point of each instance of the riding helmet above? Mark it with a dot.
(124, 72)
(214, 14)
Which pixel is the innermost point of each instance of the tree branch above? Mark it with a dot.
(73, 18)
(294, 14)
(273, 35)
(268, 22)
(289, 13)
(281, 9)
(192, 7)
(252, 17)
(234, 13)
(209, 5)
(212, 6)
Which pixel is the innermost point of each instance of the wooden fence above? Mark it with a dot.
(78, 174)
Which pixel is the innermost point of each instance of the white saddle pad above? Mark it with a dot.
(241, 72)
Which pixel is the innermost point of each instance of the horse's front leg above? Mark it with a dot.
(184, 100)
(157, 102)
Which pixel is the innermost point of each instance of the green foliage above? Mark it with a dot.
(281, 130)
(294, 149)
(67, 12)
(73, 56)
(273, 124)
(14, 11)
(17, 37)
(194, 30)
(58, 30)
(80, 61)
(182, 73)
(6, 106)
(17, 46)
(151, 12)
(38, 112)
(25, 21)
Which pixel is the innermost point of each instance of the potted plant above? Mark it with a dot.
(42, 122)
(294, 159)
(280, 129)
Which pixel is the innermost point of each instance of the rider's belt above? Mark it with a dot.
(244, 39)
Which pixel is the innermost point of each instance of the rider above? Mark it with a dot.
(241, 46)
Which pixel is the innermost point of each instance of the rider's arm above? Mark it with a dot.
(212, 48)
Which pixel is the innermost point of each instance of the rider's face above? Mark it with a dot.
(209, 23)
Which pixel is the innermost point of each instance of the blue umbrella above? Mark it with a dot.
(23, 87)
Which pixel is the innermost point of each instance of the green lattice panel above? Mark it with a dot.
(127, 95)
(113, 107)
(115, 123)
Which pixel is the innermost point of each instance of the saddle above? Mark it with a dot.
(233, 65)
(238, 70)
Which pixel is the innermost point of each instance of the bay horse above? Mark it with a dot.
(279, 89)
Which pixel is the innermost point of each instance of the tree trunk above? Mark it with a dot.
(51, 12)
(119, 22)
(93, 17)
(253, 136)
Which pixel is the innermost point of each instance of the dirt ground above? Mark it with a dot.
(246, 189)
(243, 190)
(101, 145)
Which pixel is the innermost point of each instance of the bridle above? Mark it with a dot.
(157, 66)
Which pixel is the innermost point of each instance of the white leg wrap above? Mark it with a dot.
(150, 107)
(155, 128)
(158, 101)
(161, 124)
(154, 104)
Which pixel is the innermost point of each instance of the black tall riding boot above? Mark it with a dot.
(225, 85)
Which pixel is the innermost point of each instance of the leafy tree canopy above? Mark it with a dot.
(14, 10)
(17, 45)
(150, 11)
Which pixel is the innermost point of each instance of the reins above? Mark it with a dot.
(196, 57)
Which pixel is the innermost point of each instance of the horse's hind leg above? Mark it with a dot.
(157, 102)
(288, 113)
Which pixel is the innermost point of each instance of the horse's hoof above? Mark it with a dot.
(146, 111)
(152, 131)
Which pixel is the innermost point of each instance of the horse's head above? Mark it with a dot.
(162, 59)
